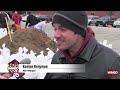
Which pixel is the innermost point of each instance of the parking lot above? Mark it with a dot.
(111, 34)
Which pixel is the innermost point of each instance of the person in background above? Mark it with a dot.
(3, 23)
(15, 27)
(16, 18)
(41, 25)
(31, 20)
(77, 45)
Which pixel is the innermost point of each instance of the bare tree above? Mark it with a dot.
(110, 13)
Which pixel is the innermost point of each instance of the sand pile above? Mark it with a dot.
(31, 39)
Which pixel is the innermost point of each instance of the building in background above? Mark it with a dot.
(115, 14)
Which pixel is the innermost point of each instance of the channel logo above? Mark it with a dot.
(112, 72)
(13, 66)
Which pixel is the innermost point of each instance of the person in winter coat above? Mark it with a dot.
(16, 18)
(3, 24)
(41, 25)
(77, 45)
(31, 20)
(15, 27)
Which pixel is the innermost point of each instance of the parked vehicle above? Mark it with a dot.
(92, 19)
(105, 21)
(42, 17)
(116, 23)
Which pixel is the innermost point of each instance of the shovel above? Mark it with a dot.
(46, 42)
(9, 31)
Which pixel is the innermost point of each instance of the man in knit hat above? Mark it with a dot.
(77, 45)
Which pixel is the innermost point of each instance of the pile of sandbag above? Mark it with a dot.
(31, 39)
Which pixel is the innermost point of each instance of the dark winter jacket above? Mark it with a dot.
(32, 20)
(97, 59)
(3, 21)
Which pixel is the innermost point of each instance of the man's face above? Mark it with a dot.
(65, 38)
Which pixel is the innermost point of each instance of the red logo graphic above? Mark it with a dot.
(13, 66)
(112, 72)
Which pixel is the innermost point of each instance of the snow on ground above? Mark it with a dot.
(5, 58)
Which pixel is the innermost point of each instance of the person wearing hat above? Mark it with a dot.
(16, 17)
(77, 45)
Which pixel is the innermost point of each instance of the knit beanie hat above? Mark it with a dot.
(73, 20)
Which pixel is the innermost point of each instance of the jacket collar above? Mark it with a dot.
(88, 50)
